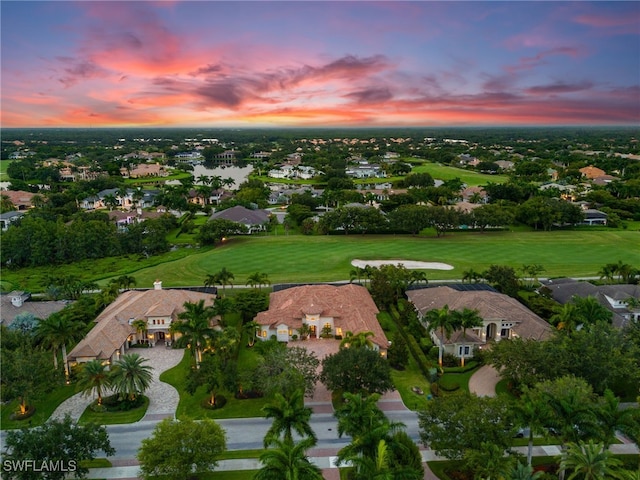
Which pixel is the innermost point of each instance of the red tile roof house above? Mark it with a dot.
(114, 332)
(503, 317)
(343, 308)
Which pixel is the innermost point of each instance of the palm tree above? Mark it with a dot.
(377, 467)
(356, 272)
(591, 310)
(126, 282)
(359, 340)
(441, 319)
(130, 376)
(588, 461)
(608, 271)
(141, 329)
(257, 279)
(612, 418)
(94, 377)
(210, 281)
(289, 414)
(531, 411)
(56, 331)
(288, 461)
(221, 307)
(358, 413)
(195, 328)
(251, 328)
(467, 318)
(471, 274)
(489, 462)
(417, 276)
(524, 472)
(567, 317)
(224, 277)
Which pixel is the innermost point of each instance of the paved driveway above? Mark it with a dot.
(163, 398)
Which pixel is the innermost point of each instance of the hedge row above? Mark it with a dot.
(412, 344)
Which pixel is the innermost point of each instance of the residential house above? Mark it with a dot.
(255, 220)
(615, 298)
(7, 218)
(329, 308)
(16, 302)
(503, 317)
(594, 217)
(114, 332)
(592, 172)
(20, 199)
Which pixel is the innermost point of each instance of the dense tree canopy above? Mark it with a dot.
(356, 370)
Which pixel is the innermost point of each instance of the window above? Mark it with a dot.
(464, 350)
(264, 333)
(339, 331)
(504, 333)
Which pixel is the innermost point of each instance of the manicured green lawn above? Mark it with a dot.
(4, 164)
(295, 258)
(113, 418)
(410, 377)
(189, 405)
(44, 408)
(231, 475)
(469, 177)
(328, 258)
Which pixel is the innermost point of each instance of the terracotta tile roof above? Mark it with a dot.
(490, 305)
(351, 307)
(112, 325)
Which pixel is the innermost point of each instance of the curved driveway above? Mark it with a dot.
(163, 398)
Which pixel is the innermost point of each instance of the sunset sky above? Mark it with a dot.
(299, 63)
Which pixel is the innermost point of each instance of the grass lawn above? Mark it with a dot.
(4, 164)
(189, 405)
(113, 418)
(579, 253)
(295, 258)
(44, 408)
(444, 172)
(459, 379)
(410, 377)
(232, 475)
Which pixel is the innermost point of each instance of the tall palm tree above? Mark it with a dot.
(531, 411)
(211, 280)
(258, 279)
(358, 414)
(467, 318)
(608, 271)
(141, 325)
(288, 461)
(130, 376)
(589, 461)
(251, 328)
(417, 276)
(289, 414)
(126, 281)
(358, 340)
(195, 328)
(221, 307)
(94, 377)
(469, 275)
(56, 331)
(611, 418)
(441, 319)
(224, 277)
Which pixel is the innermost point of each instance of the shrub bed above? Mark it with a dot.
(31, 409)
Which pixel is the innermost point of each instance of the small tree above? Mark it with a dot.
(130, 377)
(356, 370)
(181, 449)
(60, 442)
(94, 377)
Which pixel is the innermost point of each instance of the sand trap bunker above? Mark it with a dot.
(410, 264)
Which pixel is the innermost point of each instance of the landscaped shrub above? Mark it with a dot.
(448, 360)
(23, 416)
(447, 384)
(470, 365)
(116, 403)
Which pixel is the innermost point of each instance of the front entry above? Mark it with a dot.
(491, 331)
(313, 331)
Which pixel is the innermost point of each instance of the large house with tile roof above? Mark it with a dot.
(114, 332)
(254, 220)
(503, 317)
(340, 309)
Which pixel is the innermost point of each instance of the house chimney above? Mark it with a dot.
(157, 285)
